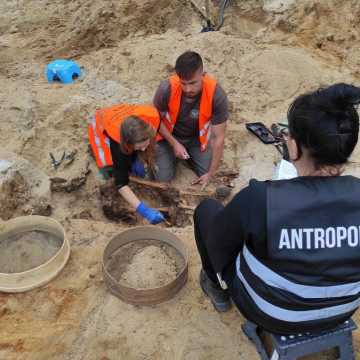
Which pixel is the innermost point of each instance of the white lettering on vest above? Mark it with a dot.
(296, 238)
(308, 237)
(319, 238)
(284, 239)
(340, 235)
(330, 237)
(353, 236)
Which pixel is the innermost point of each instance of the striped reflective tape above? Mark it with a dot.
(102, 156)
(204, 128)
(292, 315)
(98, 143)
(273, 279)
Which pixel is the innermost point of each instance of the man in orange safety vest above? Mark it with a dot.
(194, 111)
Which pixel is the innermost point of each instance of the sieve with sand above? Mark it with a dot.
(33, 250)
(145, 265)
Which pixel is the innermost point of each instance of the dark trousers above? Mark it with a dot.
(203, 218)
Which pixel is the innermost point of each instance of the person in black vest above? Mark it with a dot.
(288, 251)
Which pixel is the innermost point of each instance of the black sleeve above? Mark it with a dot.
(242, 219)
(121, 165)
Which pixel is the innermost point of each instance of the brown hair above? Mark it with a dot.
(187, 64)
(134, 130)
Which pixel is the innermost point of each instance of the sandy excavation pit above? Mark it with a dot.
(176, 202)
(267, 52)
(145, 264)
(27, 250)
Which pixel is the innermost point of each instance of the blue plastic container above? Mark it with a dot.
(65, 71)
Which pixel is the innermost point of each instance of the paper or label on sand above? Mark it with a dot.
(4, 165)
(285, 170)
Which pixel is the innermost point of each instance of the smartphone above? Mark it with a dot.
(261, 131)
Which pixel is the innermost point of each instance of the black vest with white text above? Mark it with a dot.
(312, 271)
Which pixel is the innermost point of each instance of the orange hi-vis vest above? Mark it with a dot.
(205, 110)
(106, 123)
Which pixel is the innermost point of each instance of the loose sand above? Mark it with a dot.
(145, 264)
(150, 267)
(266, 53)
(27, 250)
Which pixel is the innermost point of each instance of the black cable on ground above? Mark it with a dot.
(223, 6)
(209, 26)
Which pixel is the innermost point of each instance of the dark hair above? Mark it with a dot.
(187, 64)
(326, 123)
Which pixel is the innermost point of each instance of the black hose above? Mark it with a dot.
(223, 6)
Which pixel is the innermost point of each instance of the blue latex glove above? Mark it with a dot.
(151, 215)
(137, 168)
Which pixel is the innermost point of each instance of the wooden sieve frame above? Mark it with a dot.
(42, 274)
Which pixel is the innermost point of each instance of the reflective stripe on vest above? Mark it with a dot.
(271, 278)
(107, 123)
(305, 291)
(167, 122)
(204, 135)
(100, 145)
(205, 110)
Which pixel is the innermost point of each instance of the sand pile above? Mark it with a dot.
(145, 264)
(149, 268)
(267, 52)
(327, 28)
(74, 28)
(115, 42)
(24, 251)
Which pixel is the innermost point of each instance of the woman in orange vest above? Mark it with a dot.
(122, 138)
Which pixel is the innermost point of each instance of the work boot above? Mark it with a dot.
(219, 297)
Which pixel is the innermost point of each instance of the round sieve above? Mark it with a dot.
(42, 274)
(148, 296)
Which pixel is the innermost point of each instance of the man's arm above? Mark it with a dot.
(218, 128)
(217, 142)
(179, 150)
(160, 101)
(165, 133)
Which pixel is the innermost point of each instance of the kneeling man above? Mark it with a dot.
(194, 111)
